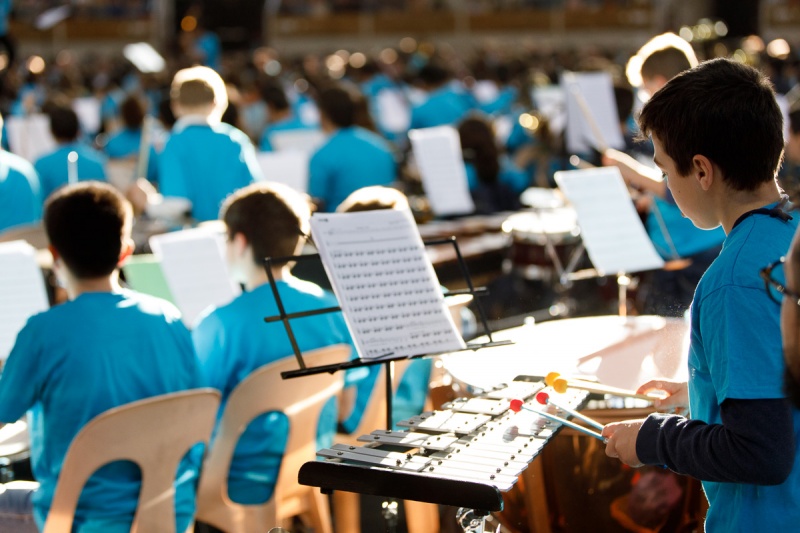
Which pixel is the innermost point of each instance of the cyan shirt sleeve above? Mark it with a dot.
(208, 337)
(253, 169)
(21, 380)
(318, 178)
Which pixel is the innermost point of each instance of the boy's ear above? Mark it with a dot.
(53, 252)
(239, 243)
(126, 251)
(704, 171)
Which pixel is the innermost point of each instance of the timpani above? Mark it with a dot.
(574, 486)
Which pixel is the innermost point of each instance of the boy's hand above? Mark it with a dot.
(677, 399)
(621, 441)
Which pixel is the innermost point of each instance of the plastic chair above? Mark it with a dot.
(155, 433)
(301, 399)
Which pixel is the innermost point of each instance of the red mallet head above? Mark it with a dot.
(515, 405)
(542, 397)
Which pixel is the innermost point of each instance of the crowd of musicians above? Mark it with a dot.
(713, 204)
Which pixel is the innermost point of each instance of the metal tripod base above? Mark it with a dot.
(471, 520)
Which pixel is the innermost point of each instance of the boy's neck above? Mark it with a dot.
(76, 287)
(737, 203)
(258, 276)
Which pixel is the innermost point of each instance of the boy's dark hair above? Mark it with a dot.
(668, 62)
(434, 74)
(272, 217)
(86, 223)
(132, 111)
(725, 111)
(63, 122)
(275, 97)
(193, 93)
(339, 106)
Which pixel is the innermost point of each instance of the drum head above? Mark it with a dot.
(558, 225)
(541, 198)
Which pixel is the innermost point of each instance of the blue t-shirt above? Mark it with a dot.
(687, 239)
(444, 106)
(53, 168)
(514, 177)
(735, 352)
(352, 158)
(81, 358)
(232, 341)
(126, 143)
(205, 163)
(20, 194)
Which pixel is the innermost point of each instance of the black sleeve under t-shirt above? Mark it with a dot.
(755, 444)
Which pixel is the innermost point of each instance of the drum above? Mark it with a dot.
(542, 198)
(573, 485)
(543, 242)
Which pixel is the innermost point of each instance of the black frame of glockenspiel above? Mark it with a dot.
(387, 359)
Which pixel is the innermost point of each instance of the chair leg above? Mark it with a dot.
(422, 517)
(320, 512)
(346, 512)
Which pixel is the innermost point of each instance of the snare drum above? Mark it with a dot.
(530, 233)
(542, 198)
(573, 485)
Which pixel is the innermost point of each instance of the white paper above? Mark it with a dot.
(551, 102)
(307, 140)
(394, 114)
(22, 291)
(610, 227)
(193, 262)
(385, 283)
(144, 57)
(289, 168)
(51, 17)
(88, 110)
(592, 94)
(437, 152)
(29, 136)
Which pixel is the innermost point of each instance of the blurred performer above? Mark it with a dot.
(789, 174)
(54, 167)
(720, 160)
(280, 115)
(670, 290)
(444, 104)
(126, 143)
(790, 321)
(106, 347)
(204, 159)
(20, 193)
(351, 158)
(495, 183)
(266, 220)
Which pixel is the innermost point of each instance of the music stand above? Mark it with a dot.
(387, 359)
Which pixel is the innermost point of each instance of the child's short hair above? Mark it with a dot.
(64, 123)
(272, 217)
(664, 55)
(87, 223)
(132, 112)
(339, 106)
(373, 198)
(198, 87)
(725, 111)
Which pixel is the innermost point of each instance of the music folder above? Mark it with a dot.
(22, 291)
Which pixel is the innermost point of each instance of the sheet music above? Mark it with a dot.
(551, 102)
(88, 110)
(591, 93)
(22, 291)
(393, 115)
(289, 167)
(306, 141)
(610, 227)
(438, 156)
(144, 57)
(29, 136)
(193, 262)
(385, 283)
